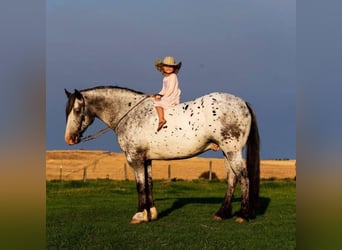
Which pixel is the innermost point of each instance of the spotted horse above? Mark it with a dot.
(215, 119)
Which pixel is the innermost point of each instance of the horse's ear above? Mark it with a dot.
(78, 94)
(68, 94)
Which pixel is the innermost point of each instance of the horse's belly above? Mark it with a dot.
(177, 149)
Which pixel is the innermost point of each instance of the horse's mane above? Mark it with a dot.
(112, 87)
(72, 97)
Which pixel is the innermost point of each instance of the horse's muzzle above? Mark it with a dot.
(73, 139)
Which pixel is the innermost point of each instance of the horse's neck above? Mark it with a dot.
(111, 105)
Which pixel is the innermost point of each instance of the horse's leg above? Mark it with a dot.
(150, 206)
(244, 183)
(140, 216)
(225, 210)
(146, 208)
(236, 171)
(238, 166)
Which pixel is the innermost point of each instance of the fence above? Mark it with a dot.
(78, 165)
(82, 173)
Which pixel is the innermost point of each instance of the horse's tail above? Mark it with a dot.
(253, 163)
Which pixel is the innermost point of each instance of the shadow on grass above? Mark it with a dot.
(181, 202)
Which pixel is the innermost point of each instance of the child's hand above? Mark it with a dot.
(156, 97)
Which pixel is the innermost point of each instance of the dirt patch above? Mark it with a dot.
(74, 164)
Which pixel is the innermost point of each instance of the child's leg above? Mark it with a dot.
(162, 121)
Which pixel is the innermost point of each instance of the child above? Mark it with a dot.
(170, 94)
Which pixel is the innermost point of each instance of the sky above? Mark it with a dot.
(246, 48)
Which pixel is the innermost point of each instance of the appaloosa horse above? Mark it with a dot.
(192, 127)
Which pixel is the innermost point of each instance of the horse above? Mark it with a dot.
(193, 127)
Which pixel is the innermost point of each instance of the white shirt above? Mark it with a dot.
(170, 91)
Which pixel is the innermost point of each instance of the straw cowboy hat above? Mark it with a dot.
(168, 61)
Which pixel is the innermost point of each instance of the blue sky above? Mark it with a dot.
(247, 48)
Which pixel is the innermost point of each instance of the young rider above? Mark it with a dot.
(170, 93)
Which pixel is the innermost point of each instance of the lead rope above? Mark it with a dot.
(95, 135)
(105, 130)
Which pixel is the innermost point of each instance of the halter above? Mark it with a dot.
(83, 114)
(105, 130)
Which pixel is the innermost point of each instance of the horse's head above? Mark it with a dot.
(78, 117)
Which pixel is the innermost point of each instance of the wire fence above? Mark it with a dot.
(115, 167)
(82, 174)
(102, 168)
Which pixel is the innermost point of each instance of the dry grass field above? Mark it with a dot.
(103, 164)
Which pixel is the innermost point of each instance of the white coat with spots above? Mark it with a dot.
(192, 127)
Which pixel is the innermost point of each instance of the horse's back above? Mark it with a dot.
(218, 117)
(214, 106)
(216, 97)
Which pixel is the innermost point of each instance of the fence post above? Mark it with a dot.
(169, 172)
(61, 173)
(125, 170)
(84, 174)
(210, 171)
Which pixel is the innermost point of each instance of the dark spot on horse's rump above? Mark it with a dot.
(231, 132)
(186, 107)
(129, 104)
(235, 133)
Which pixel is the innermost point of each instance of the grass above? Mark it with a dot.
(96, 215)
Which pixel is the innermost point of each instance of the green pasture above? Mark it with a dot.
(96, 215)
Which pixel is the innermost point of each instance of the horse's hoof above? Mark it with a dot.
(217, 218)
(139, 217)
(240, 220)
(154, 213)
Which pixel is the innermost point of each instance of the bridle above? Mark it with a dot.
(83, 115)
(104, 130)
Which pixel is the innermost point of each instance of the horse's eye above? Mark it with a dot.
(77, 110)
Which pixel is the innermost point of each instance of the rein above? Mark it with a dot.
(105, 130)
